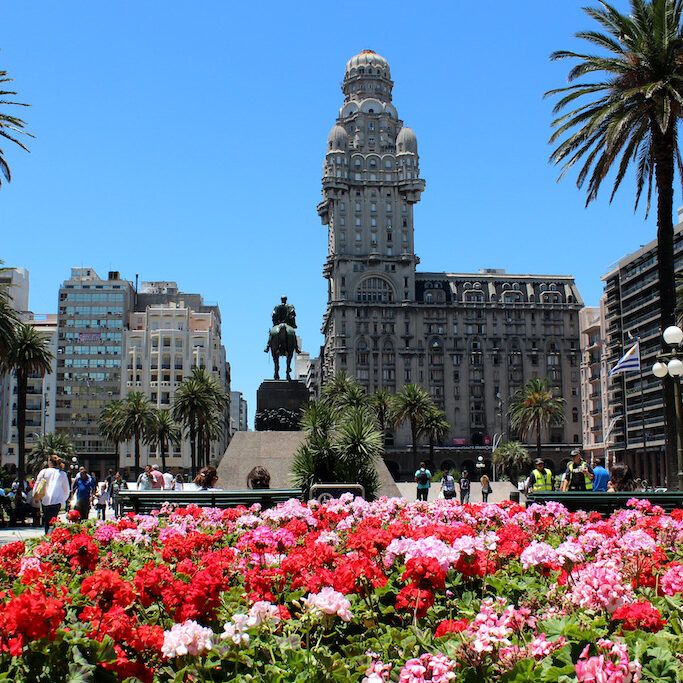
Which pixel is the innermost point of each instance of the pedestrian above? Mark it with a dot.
(464, 484)
(117, 485)
(447, 485)
(84, 488)
(144, 482)
(258, 478)
(56, 489)
(179, 482)
(102, 500)
(486, 489)
(207, 478)
(601, 475)
(540, 479)
(621, 479)
(157, 478)
(423, 477)
(579, 475)
(169, 481)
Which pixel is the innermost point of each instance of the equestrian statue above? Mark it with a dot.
(282, 339)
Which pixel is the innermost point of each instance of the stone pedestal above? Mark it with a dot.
(281, 396)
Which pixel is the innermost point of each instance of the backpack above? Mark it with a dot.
(422, 477)
(39, 490)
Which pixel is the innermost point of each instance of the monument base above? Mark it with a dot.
(279, 403)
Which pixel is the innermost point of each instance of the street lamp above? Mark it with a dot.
(670, 364)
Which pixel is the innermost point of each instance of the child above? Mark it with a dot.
(102, 499)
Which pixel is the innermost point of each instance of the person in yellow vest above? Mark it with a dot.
(541, 478)
(578, 476)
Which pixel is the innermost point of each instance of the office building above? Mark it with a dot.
(238, 413)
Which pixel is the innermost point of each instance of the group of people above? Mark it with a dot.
(580, 476)
(423, 478)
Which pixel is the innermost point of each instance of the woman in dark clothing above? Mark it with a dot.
(258, 478)
(207, 478)
(622, 479)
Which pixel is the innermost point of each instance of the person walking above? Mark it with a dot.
(601, 475)
(464, 484)
(117, 484)
(157, 478)
(579, 475)
(179, 482)
(84, 488)
(102, 500)
(56, 489)
(423, 477)
(447, 485)
(486, 489)
(144, 482)
(169, 481)
(540, 479)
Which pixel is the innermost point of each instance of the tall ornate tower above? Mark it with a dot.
(370, 183)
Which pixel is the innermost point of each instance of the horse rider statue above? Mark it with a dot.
(282, 339)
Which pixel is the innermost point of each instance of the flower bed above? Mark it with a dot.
(349, 591)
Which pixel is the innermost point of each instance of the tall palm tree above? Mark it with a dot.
(630, 116)
(109, 424)
(434, 426)
(533, 408)
(199, 406)
(164, 432)
(44, 447)
(337, 386)
(9, 317)
(513, 459)
(10, 126)
(134, 420)
(381, 404)
(411, 404)
(28, 354)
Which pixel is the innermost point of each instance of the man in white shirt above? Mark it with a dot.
(169, 481)
(56, 490)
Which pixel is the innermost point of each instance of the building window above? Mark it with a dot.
(374, 289)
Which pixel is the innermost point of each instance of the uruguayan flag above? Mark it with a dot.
(629, 361)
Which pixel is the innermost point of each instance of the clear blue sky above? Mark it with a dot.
(184, 141)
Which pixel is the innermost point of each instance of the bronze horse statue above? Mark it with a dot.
(282, 339)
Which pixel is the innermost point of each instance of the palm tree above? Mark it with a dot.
(381, 404)
(44, 447)
(199, 406)
(164, 431)
(134, 420)
(434, 426)
(10, 126)
(9, 317)
(512, 458)
(341, 446)
(630, 117)
(109, 423)
(533, 408)
(337, 386)
(28, 354)
(412, 403)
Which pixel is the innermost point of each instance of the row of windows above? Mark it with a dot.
(92, 363)
(87, 324)
(103, 336)
(93, 350)
(93, 296)
(94, 310)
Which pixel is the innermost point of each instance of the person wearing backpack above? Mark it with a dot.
(51, 490)
(448, 485)
(423, 477)
(464, 484)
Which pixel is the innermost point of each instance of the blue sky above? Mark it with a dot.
(184, 141)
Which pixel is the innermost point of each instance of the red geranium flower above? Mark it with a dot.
(641, 615)
(451, 626)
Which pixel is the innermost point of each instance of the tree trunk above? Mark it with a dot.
(538, 441)
(664, 177)
(137, 454)
(22, 386)
(193, 449)
(413, 432)
(163, 455)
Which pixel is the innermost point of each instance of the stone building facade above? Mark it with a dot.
(470, 339)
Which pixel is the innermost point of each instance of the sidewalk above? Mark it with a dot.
(501, 491)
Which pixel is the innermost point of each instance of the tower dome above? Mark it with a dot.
(338, 139)
(406, 141)
(368, 58)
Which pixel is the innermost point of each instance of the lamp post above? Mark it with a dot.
(671, 364)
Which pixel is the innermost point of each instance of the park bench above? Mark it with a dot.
(143, 502)
(605, 503)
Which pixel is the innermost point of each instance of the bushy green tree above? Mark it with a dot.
(411, 404)
(44, 447)
(513, 459)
